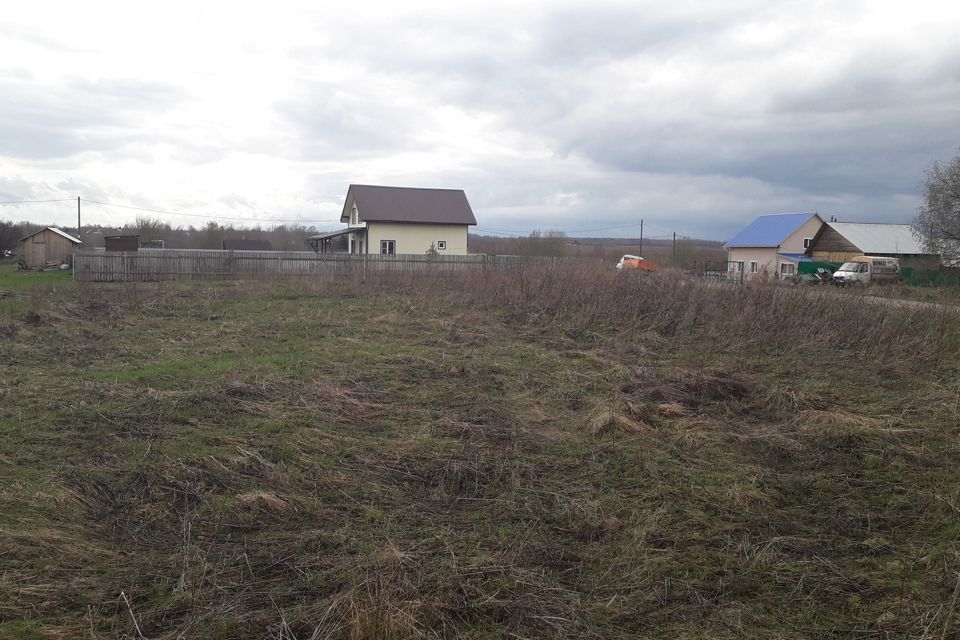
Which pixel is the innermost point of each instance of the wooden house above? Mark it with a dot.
(48, 247)
(842, 241)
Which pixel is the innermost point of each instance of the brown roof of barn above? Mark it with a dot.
(408, 204)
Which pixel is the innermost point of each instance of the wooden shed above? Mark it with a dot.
(48, 247)
(843, 241)
(121, 243)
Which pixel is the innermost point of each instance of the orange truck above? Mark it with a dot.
(634, 263)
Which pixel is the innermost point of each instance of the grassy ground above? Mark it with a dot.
(19, 289)
(529, 456)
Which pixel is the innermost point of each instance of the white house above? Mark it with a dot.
(400, 220)
(771, 245)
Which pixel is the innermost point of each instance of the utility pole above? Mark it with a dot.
(78, 219)
(674, 247)
(641, 237)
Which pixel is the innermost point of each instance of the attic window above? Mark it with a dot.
(354, 216)
(807, 242)
(441, 245)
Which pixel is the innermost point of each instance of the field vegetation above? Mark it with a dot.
(559, 453)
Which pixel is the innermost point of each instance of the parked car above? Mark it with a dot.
(630, 263)
(864, 270)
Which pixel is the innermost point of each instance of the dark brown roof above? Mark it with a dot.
(408, 204)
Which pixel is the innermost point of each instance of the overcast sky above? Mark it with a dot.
(583, 117)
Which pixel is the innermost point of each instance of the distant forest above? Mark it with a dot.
(210, 236)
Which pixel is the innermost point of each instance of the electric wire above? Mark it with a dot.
(37, 201)
(198, 215)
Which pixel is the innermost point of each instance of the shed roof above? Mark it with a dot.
(334, 234)
(408, 204)
(55, 230)
(769, 230)
(874, 237)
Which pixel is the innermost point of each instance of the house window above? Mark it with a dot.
(388, 247)
(738, 266)
(787, 269)
(354, 216)
(441, 245)
(754, 266)
(807, 242)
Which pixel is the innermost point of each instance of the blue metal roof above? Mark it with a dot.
(796, 257)
(770, 230)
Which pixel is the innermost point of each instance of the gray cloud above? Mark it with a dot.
(695, 117)
(40, 121)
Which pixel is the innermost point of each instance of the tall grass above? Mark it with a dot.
(578, 467)
(761, 318)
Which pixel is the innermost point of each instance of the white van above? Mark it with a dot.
(864, 270)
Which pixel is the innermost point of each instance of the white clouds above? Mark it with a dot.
(550, 115)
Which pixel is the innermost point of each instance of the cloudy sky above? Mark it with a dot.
(583, 117)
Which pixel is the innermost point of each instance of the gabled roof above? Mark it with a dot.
(770, 230)
(55, 230)
(873, 237)
(407, 204)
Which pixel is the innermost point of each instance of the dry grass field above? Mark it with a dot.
(543, 454)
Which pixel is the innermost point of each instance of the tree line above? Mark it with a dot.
(285, 237)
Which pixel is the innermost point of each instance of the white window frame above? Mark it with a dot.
(441, 245)
(388, 247)
(354, 216)
(738, 266)
(787, 269)
(807, 242)
(754, 266)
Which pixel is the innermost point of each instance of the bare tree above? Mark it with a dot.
(938, 219)
(10, 235)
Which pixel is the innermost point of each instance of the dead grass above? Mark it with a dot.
(541, 454)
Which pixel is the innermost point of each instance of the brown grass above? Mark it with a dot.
(553, 453)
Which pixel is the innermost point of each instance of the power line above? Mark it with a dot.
(623, 226)
(521, 235)
(502, 233)
(197, 215)
(36, 201)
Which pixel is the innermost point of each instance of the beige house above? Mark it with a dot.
(48, 247)
(400, 220)
(771, 246)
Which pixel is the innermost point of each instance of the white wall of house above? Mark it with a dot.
(764, 257)
(416, 238)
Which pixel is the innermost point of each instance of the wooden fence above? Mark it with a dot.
(172, 264)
